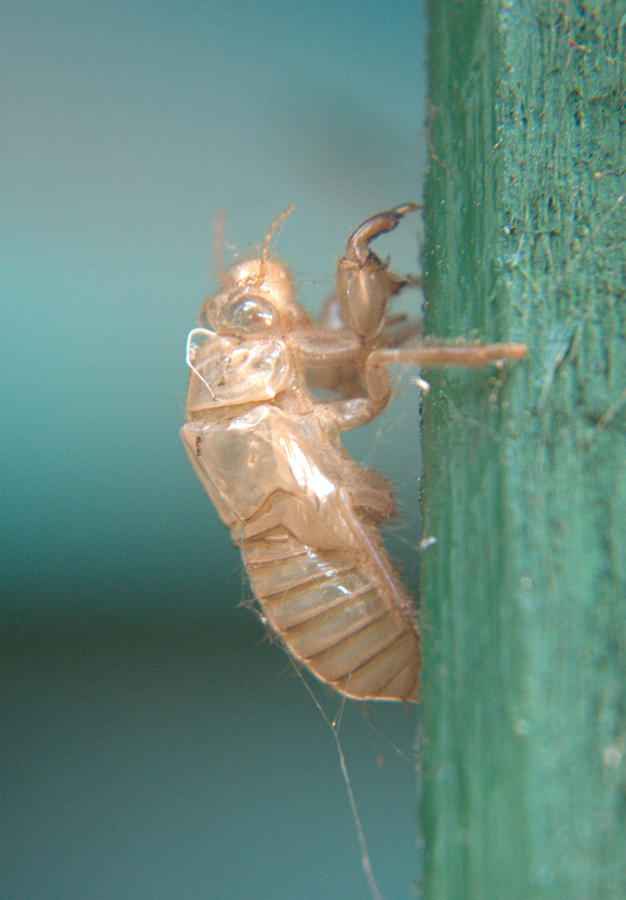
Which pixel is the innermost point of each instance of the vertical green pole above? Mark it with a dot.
(524, 593)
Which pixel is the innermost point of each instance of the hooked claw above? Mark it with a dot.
(364, 282)
(358, 245)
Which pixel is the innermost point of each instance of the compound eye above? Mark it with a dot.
(247, 315)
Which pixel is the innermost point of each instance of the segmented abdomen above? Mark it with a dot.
(346, 617)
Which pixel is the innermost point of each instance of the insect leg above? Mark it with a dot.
(364, 282)
(468, 356)
(377, 380)
(358, 245)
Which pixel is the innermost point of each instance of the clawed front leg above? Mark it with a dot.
(364, 282)
(351, 352)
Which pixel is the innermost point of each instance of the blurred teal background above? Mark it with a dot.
(153, 744)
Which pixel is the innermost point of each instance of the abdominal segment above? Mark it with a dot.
(352, 627)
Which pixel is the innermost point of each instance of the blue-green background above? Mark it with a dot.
(153, 745)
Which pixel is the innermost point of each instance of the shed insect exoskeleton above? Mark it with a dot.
(268, 452)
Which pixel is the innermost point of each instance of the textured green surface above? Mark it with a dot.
(524, 594)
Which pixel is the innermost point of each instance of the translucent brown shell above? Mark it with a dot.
(268, 451)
